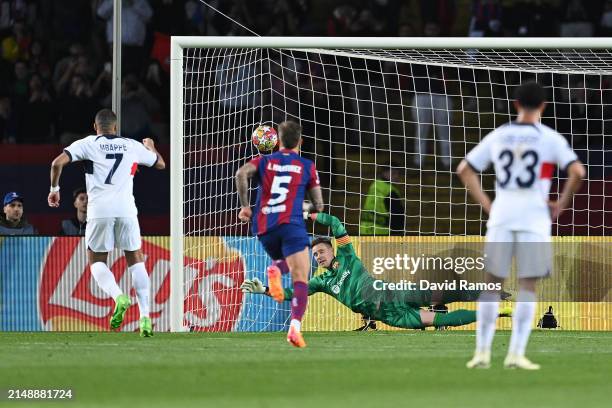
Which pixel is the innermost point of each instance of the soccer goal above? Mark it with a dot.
(416, 105)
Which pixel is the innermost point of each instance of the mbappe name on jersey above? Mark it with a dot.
(112, 147)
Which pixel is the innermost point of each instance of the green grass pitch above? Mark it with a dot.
(377, 369)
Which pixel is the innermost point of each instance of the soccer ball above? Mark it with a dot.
(264, 138)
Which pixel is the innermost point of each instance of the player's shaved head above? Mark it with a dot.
(530, 95)
(106, 121)
(290, 134)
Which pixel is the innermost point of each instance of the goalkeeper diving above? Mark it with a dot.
(347, 280)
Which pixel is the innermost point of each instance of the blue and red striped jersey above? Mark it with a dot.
(283, 177)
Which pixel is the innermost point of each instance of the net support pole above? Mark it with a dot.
(116, 97)
(176, 188)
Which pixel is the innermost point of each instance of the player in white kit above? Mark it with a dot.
(110, 163)
(524, 154)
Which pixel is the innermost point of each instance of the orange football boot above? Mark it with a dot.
(275, 285)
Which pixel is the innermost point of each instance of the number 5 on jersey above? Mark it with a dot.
(278, 187)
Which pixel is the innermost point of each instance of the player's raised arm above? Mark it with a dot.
(471, 181)
(159, 163)
(243, 175)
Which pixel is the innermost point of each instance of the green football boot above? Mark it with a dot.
(121, 306)
(146, 329)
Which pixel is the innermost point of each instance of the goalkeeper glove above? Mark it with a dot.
(309, 211)
(253, 286)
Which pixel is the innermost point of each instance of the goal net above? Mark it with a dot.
(417, 111)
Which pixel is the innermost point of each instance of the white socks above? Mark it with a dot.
(140, 280)
(486, 316)
(297, 324)
(142, 285)
(521, 322)
(105, 279)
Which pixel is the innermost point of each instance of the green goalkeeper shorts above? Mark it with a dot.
(401, 315)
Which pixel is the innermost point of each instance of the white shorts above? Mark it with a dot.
(533, 253)
(105, 234)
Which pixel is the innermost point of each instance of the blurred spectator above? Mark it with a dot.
(77, 224)
(67, 63)
(13, 222)
(406, 30)
(6, 17)
(227, 75)
(134, 18)
(38, 62)
(538, 18)
(486, 18)
(303, 21)
(606, 20)
(440, 13)
(157, 82)
(385, 15)
(257, 15)
(366, 24)
(195, 15)
(138, 107)
(340, 22)
(19, 90)
(65, 22)
(36, 118)
(431, 106)
(75, 110)
(160, 51)
(16, 46)
(577, 21)
(103, 86)
(7, 121)
(383, 211)
(79, 66)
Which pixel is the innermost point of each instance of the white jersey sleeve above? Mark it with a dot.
(79, 150)
(480, 157)
(145, 156)
(564, 154)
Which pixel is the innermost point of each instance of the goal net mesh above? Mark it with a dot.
(362, 111)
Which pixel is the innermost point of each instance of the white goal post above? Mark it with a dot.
(500, 56)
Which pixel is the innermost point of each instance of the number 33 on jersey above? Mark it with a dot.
(283, 177)
(524, 157)
(110, 164)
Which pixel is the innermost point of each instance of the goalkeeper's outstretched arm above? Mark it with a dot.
(338, 231)
(256, 286)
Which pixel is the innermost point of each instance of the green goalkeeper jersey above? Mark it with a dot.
(348, 281)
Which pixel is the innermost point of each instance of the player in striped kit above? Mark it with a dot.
(524, 154)
(284, 178)
(110, 162)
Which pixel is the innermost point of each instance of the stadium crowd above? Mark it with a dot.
(55, 55)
